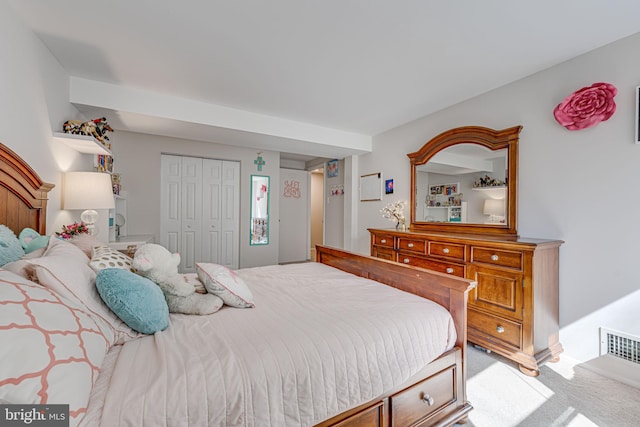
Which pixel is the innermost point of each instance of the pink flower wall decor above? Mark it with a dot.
(587, 107)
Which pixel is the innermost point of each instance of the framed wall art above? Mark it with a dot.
(332, 168)
(371, 187)
(388, 186)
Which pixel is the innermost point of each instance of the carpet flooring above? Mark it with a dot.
(565, 394)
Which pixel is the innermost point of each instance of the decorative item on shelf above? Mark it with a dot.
(587, 107)
(72, 230)
(119, 221)
(97, 128)
(395, 212)
(115, 183)
(104, 163)
(495, 208)
(433, 200)
(89, 191)
(487, 181)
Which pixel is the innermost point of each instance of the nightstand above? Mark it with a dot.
(130, 244)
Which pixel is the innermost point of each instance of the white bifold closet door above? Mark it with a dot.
(200, 206)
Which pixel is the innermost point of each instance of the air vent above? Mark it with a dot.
(619, 344)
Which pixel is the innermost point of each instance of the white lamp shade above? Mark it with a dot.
(494, 207)
(88, 190)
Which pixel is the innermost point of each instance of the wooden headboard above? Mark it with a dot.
(23, 195)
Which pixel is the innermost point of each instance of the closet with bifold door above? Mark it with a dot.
(200, 210)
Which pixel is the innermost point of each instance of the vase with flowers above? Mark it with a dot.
(395, 212)
(71, 230)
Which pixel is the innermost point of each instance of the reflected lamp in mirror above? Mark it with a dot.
(495, 208)
(88, 191)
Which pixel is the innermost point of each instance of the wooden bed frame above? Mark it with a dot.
(23, 195)
(434, 397)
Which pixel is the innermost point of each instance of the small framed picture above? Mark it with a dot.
(332, 168)
(388, 186)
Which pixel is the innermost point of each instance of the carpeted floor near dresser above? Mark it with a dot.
(565, 394)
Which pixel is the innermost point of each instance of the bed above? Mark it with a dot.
(349, 340)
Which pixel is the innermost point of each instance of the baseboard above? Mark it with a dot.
(617, 369)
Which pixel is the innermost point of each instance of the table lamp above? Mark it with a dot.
(495, 209)
(89, 191)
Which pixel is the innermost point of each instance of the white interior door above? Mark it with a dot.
(170, 211)
(211, 223)
(200, 210)
(294, 216)
(191, 244)
(230, 215)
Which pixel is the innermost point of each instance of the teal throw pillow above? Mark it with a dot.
(31, 240)
(10, 247)
(136, 300)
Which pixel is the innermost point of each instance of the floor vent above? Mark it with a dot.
(619, 344)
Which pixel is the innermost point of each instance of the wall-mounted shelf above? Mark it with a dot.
(82, 143)
(495, 192)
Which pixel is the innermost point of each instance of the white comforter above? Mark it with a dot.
(318, 342)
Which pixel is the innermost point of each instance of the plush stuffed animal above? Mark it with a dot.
(161, 266)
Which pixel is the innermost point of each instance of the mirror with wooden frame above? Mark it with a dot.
(465, 180)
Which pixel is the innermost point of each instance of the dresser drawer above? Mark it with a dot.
(511, 259)
(450, 251)
(440, 266)
(369, 417)
(422, 399)
(384, 253)
(412, 245)
(382, 240)
(496, 327)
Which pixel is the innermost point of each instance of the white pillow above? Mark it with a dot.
(223, 282)
(41, 332)
(72, 278)
(63, 248)
(105, 257)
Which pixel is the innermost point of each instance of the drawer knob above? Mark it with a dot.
(499, 329)
(406, 260)
(410, 245)
(383, 241)
(449, 270)
(494, 257)
(445, 251)
(427, 399)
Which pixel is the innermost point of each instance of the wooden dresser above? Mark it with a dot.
(514, 308)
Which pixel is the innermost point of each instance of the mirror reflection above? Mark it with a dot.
(455, 177)
(259, 210)
(464, 184)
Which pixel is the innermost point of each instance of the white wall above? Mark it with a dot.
(34, 101)
(137, 159)
(578, 186)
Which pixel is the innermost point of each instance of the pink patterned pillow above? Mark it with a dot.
(55, 351)
(223, 282)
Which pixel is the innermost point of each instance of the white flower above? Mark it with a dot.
(394, 212)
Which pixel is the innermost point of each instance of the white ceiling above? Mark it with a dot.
(335, 71)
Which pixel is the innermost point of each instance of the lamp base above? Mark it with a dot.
(90, 217)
